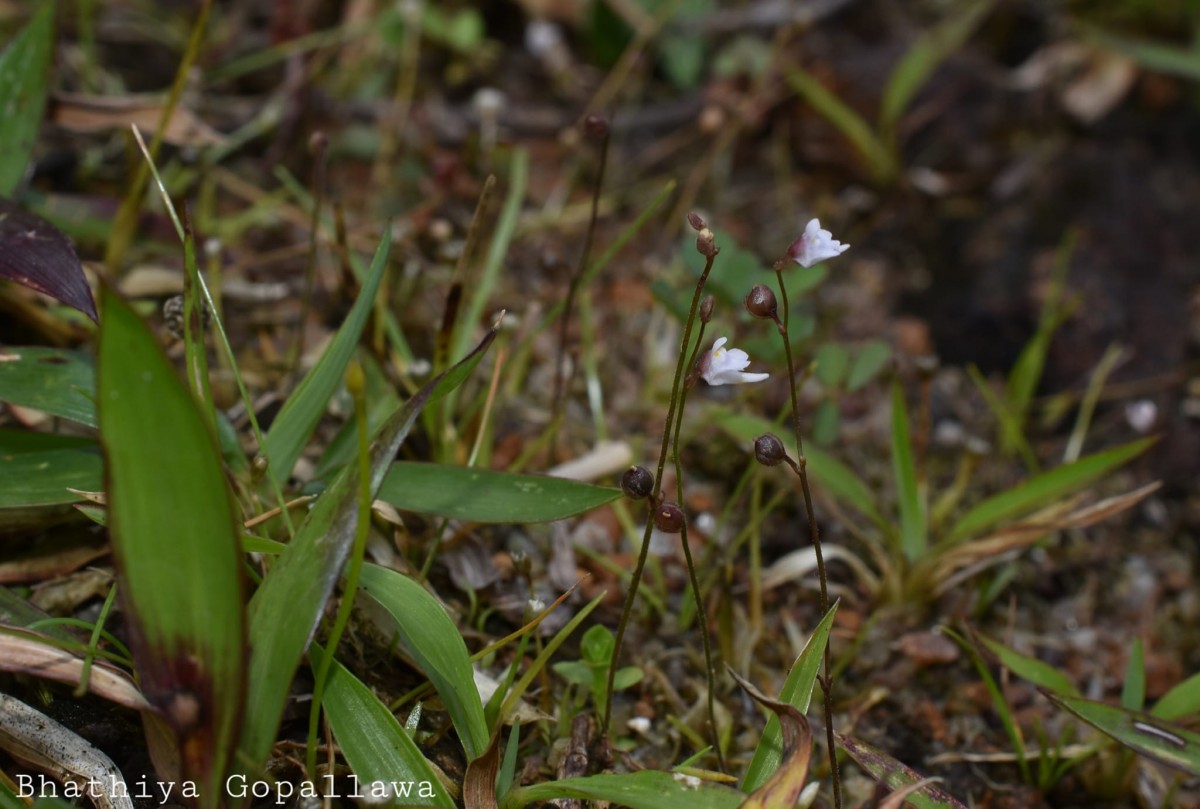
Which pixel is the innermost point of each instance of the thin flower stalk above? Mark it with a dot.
(813, 246)
(709, 250)
(710, 671)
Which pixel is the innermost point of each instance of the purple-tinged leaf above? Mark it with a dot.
(38, 255)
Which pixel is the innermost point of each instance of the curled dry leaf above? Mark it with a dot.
(21, 651)
(784, 787)
(34, 737)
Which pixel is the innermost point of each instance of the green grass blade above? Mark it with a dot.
(1030, 668)
(287, 607)
(880, 160)
(1043, 489)
(61, 383)
(1012, 435)
(481, 495)
(1152, 737)
(1026, 374)
(887, 770)
(648, 789)
(482, 286)
(24, 69)
(1182, 700)
(303, 409)
(175, 537)
(1157, 56)
(1133, 691)
(797, 692)
(912, 510)
(376, 747)
(426, 633)
(931, 49)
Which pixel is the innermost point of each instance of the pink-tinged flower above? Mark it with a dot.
(722, 366)
(815, 245)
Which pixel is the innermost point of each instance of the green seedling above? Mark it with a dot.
(590, 672)
(1151, 733)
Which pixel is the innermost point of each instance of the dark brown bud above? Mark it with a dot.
(705, 243)
(595, 127)
(318, 142)
(706, 308)
(668, 518)
(761, 302)
(696, 222)
(637, 483)
(768, 450)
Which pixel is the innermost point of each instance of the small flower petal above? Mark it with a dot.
(722, 366)
(815, 246)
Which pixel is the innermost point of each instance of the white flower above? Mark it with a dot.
(815, 245)
(723, 366)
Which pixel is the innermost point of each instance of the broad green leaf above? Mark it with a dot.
(303, 409)
(1182, 700)
(481, 495)
(175, 537)
(286, 609)
(832, 361)
(797, 692)
(575, 671)
(930, 50)
(427, 634)
(24, 66)
(647, 789)
(376, 747)
(36, 470)
(1030, 668)
(1044, 488)
(1154, 738)
(912, 510)
(825, 423)
(890, 772)
(880, 160)
(869, 362)
(826, 470)
(55, 381)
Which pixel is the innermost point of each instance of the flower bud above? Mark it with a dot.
(637, 483)
(696, 222)
(761, 303)
(768, 450)
(705, 243)
(706, 308)
(668, 518)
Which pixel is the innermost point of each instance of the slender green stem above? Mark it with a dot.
(815, 532)
(636, 579)
(710, 672)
